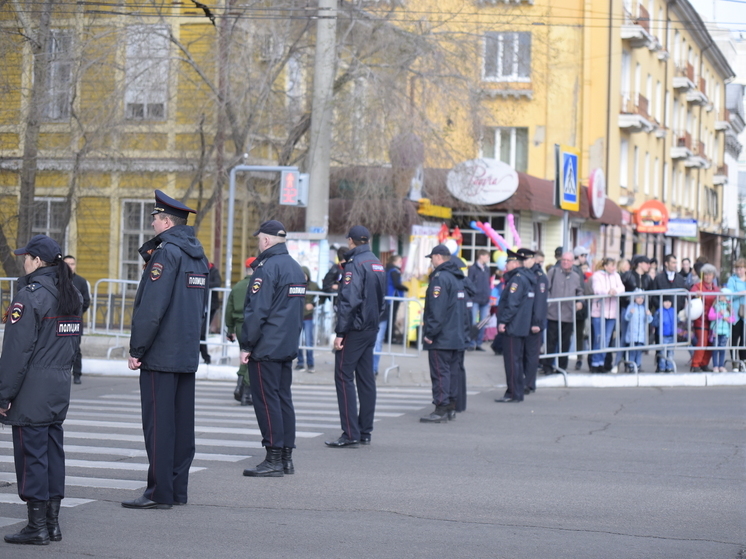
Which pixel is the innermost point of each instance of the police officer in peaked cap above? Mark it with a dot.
(514, 316)
(360, 304)
(532, 348)
(269, 339)
(170, 303)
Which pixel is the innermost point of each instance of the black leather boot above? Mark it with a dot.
(35, 533)
(439, 415)
(287, 460)
(238, 392)
(451, 411)
(53, 520)
(246, 396)
(271, 467)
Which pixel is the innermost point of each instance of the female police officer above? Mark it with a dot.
(42, 336)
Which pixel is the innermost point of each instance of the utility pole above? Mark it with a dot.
(317, 212)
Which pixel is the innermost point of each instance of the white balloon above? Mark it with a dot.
(695, 309)
(452, 246)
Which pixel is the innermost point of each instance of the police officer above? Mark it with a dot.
(359, 307)
(532, 349)
(273, 319)
(514, 316)
(42, 337)
(444, 332)
(164, 344)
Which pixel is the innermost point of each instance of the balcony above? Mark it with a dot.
(698, 159)
(698, 96)
(721, 175)
(722, 124)
(634, 117)
(636, 31)
(682, 148)
(684, 77)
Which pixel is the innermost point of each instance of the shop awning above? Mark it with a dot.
(537, 195)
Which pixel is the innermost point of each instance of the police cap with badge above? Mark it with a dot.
(521, 255)
(167, 205)
(42, 246)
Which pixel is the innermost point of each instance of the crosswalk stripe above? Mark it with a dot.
(241, 445)
(240, 413)
(135, 452)
(197, 429)
(68, 502)
(10, 521)
(102, 465)
(311, 403)
(206, 418)
(95, 482)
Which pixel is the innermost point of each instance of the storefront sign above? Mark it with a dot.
(652, 217)
(482, 182)
(597, 193)
(679, 227)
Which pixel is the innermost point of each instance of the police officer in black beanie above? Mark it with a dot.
(359, 307)
(170, 303)
(273, 319)
(42, 337)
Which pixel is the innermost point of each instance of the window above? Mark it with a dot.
(474, 240)
(294, 85)
(666, 183)
(657, 179)
(146, 73)
(507, 56)
(48, 218)
(636, 170)
(59, 76)
(624, 163)
(626, 65)
(136, 230)
(509, 145)
(646, 176)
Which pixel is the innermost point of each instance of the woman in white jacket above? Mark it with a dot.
(604, 311)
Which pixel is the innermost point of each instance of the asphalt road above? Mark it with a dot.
(570, 473)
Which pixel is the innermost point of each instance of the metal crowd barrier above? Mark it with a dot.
(685, 337)
(8, 290)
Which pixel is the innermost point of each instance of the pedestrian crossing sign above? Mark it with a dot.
(568, 189)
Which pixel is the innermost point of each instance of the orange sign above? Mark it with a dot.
(652, 217)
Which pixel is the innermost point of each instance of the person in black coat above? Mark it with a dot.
(359, 307)
(170, 303)
(82, 286)
(42, 338)
(532, 348)
(270, 337)
(444, 333)
(514, 320)
(213, 280)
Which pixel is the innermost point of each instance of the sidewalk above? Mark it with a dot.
(483, 370)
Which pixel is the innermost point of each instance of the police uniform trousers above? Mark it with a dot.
(40, 462)
(461, 395)
(78, 359)
(353, 366)
(168, 425)
(513, 348)
(531, 352)
(273, 402)
(444, 375)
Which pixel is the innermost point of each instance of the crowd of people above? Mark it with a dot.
(624, 314)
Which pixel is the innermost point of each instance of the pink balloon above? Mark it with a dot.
(513, 230)
(494, 236)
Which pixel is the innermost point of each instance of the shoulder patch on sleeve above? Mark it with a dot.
(196, 281)
(256, 285)
(347, 278)
(377, 268)
(16, 312)
(513, 287)
(156, 271)
(436, 291)
(296, 291)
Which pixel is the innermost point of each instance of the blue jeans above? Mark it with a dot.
(664, 362)
(307, 341)
(718, 357)
(636, 355)
(382, 327)
(598, 338)
(478, 314)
